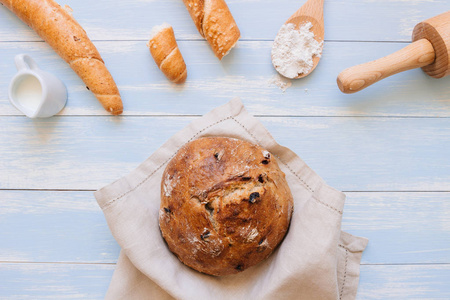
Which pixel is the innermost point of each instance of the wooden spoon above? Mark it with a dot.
(311, 11)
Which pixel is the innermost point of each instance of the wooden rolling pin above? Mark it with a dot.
(430, 51)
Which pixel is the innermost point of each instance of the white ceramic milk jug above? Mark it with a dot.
(36, 93)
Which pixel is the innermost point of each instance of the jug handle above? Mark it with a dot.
(24, 61)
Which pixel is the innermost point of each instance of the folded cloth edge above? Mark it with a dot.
(353, 243)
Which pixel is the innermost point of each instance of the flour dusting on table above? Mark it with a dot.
(281, 82)
(293, 50)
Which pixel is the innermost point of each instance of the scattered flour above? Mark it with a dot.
(281, 82)
(168, 186)
(252, 235)
(293, 50)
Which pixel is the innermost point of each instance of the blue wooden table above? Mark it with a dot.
(387, 147)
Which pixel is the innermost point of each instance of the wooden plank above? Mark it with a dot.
(366, 20)
(52, 226)
(371, 154)
(66, 281)
(402, 228)
(245, 73)
(404, 282)
(351, 154)
(54, 281)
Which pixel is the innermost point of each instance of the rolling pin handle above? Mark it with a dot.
(416, 55)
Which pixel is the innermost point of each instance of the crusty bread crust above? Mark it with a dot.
(197, 12)
(215, 23)
(225, 205)
(62, 32)
(164, 49)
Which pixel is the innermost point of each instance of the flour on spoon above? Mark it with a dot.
(293, 50)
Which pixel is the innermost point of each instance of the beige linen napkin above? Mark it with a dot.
(316, 260)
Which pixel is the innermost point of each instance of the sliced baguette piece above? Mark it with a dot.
(164, 49)
(62, 32)
(215, 23)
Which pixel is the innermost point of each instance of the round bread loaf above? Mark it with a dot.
(225, 205)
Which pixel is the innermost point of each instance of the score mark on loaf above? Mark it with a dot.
(62, 32)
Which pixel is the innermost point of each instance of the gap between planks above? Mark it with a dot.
(203, 40)
(256, 115)
(113, 263)
(344, 191)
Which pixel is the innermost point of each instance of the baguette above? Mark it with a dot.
(167, 55)
(62, 32)
(215, 23)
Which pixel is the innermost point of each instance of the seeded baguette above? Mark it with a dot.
(215, 23)
(164, 49)
(62, 32)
